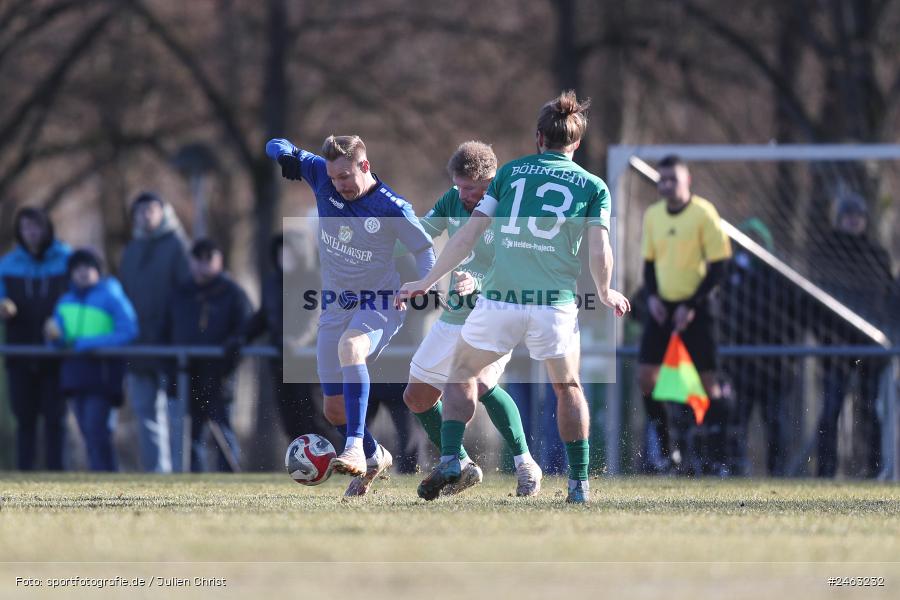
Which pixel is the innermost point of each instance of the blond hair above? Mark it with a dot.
(563, 120)
(350, 147)
(475, 160)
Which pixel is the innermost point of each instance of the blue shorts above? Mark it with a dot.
(380, 325)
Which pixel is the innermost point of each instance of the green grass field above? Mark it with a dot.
(672, 537)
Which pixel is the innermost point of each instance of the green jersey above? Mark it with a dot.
(541, 205)
(449, 214)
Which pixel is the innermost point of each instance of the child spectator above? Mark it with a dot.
(94, 313)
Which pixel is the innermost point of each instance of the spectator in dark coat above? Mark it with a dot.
(210, 310)
(857, 271)
(94, 313)
(32, 278)
(759, 305)
(153, 265)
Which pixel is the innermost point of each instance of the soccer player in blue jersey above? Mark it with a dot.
(360, 221)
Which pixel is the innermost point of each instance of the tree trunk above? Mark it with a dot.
(789, 53)
(567, 60)
(266, 203)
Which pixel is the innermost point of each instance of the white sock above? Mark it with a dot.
(521, 458)
(577, 483)
(463, 462)
(352, 442)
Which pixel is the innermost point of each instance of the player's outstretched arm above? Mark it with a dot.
(457, 249)
(601, 263)
(276, 147)
(286, 154)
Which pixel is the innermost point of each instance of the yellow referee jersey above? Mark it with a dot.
(681, 245)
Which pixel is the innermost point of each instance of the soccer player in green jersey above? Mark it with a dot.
(471, 169)
(538, 208)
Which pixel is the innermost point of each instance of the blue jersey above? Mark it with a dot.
(357, 238)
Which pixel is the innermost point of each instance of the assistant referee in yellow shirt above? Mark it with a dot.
(685, 252)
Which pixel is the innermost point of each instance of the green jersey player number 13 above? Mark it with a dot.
(538, 207)
(560, 211)
(541, 204)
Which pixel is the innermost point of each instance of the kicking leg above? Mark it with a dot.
(460, 398)
(504, 414)
(353, 347)
(424, 400)
(363, 456)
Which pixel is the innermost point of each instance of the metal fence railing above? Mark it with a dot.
(614, 422)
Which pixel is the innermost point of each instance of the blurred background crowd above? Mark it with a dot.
(132, 168)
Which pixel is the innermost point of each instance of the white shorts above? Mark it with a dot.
(548, 331)
(432, 361)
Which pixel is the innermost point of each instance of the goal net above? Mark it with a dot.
(814, 267)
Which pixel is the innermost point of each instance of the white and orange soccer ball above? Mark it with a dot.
(308, 459)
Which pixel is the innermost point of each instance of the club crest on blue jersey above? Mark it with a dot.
(372, 225)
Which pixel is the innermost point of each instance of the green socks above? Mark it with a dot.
(504, 414)
(500, 407)
(578, 453)
(452, 433)
(431, 422)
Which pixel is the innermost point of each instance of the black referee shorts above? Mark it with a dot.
(699, 338)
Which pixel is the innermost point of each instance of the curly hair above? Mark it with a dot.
(475, 160)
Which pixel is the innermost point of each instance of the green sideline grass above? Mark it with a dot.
(267, 517)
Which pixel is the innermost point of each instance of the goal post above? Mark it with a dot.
(776, 187)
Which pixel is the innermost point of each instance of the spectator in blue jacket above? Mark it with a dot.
(94, 313)
(32, 278)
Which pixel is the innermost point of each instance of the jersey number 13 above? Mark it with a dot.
(560, 211)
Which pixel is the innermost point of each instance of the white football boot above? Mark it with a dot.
(528, 478)
(376, 468)
(352, 461)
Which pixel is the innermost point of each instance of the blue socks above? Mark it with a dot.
(370, 444)
(356, 398)
(356, 401)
